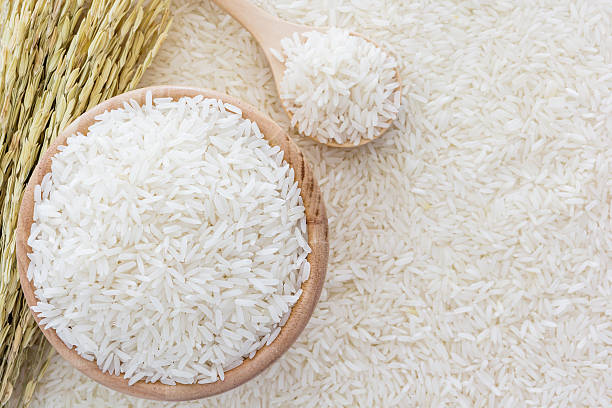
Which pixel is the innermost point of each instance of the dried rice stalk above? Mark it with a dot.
(59, 58)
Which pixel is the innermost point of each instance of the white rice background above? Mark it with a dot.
(471, 246)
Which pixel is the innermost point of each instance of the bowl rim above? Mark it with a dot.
(317, 227)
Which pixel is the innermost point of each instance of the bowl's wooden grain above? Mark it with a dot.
(301, 312)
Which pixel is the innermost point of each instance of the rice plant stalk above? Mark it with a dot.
(57, 59)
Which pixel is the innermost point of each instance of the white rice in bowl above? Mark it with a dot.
(169, 243)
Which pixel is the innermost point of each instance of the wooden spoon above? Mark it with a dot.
(268, 31)
(316, 222)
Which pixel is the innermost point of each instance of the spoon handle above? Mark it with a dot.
(259, 23)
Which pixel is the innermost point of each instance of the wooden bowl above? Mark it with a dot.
(300, 314)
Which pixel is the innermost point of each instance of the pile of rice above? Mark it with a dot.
(169, 243)
(338, 87)
(470, 246)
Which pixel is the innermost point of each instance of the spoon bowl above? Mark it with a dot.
(316, 222)
(268, 31)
